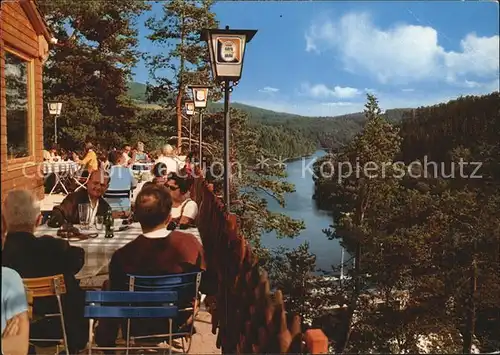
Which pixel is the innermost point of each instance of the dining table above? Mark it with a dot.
(99, 250)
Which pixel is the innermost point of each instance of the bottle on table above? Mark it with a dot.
(110, 224)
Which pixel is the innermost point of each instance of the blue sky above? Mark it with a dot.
(319, 58)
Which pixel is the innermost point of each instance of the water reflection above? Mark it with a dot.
(301, 205)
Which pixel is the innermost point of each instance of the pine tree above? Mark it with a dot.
(89, 68)
(361, 196)
(185, 59)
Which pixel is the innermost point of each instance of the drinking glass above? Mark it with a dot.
(84, 215)
(99, 222)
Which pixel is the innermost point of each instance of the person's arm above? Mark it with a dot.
(132, 158)
(63, 213)
(15, 338)
(189, 213)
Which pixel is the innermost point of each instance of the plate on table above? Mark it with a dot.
(73, 234)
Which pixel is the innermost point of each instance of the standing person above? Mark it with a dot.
(167, 157)
(15, 320)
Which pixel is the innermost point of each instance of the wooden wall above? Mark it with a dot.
(19, 36)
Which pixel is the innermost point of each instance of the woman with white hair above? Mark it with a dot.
(167, 157)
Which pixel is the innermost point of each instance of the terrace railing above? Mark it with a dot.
(248, 318)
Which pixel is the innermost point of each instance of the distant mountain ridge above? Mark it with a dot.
(306, 133)
(137, 92)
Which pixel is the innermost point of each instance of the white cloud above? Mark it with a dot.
(323, 91)
(403, 53)
(387, 100)
(269, 90)
(408, 90)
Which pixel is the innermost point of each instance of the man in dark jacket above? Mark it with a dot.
(67, 211)
(157, 251)
(35, 257)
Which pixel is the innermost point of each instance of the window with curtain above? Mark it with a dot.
(17, 97)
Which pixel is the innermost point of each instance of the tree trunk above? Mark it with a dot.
(180, 93)
(354, 299)
(470, 327)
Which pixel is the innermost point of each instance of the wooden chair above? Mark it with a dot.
(128, 305)
(186, 285)
(29, 299)
(49, 286)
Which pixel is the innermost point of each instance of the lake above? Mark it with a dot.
(300, 205)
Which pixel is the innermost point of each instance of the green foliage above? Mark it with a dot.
(249, 182)
(294, 273)
(89, 68)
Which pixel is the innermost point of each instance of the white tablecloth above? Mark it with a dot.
(59, 167)
(99, 250)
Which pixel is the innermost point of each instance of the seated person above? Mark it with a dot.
(139, 155)
(33, 257)
(160, 173)
(67, 211)
(89, 162)
(15, 320)
(156, 251)
(184, 210)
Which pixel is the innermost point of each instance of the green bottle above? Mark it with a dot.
(110, 224)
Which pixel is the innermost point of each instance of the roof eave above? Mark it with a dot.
(36, 18)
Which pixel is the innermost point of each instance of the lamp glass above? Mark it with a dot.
(189, 108)
(200, 96)
(227, 54)
(54, 108)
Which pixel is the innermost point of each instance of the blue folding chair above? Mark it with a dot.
(187, 287)
(128, 305)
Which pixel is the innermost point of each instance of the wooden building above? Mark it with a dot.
(24, 41)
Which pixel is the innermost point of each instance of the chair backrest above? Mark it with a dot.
(126, 304)
(164, 282)
(46, 286)
(186, 285)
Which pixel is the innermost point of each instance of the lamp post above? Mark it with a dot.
(190, 113)
(55, 110)
(227, 51)
(200, 97)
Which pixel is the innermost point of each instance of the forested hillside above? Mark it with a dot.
(425, 233)
(287, 134)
